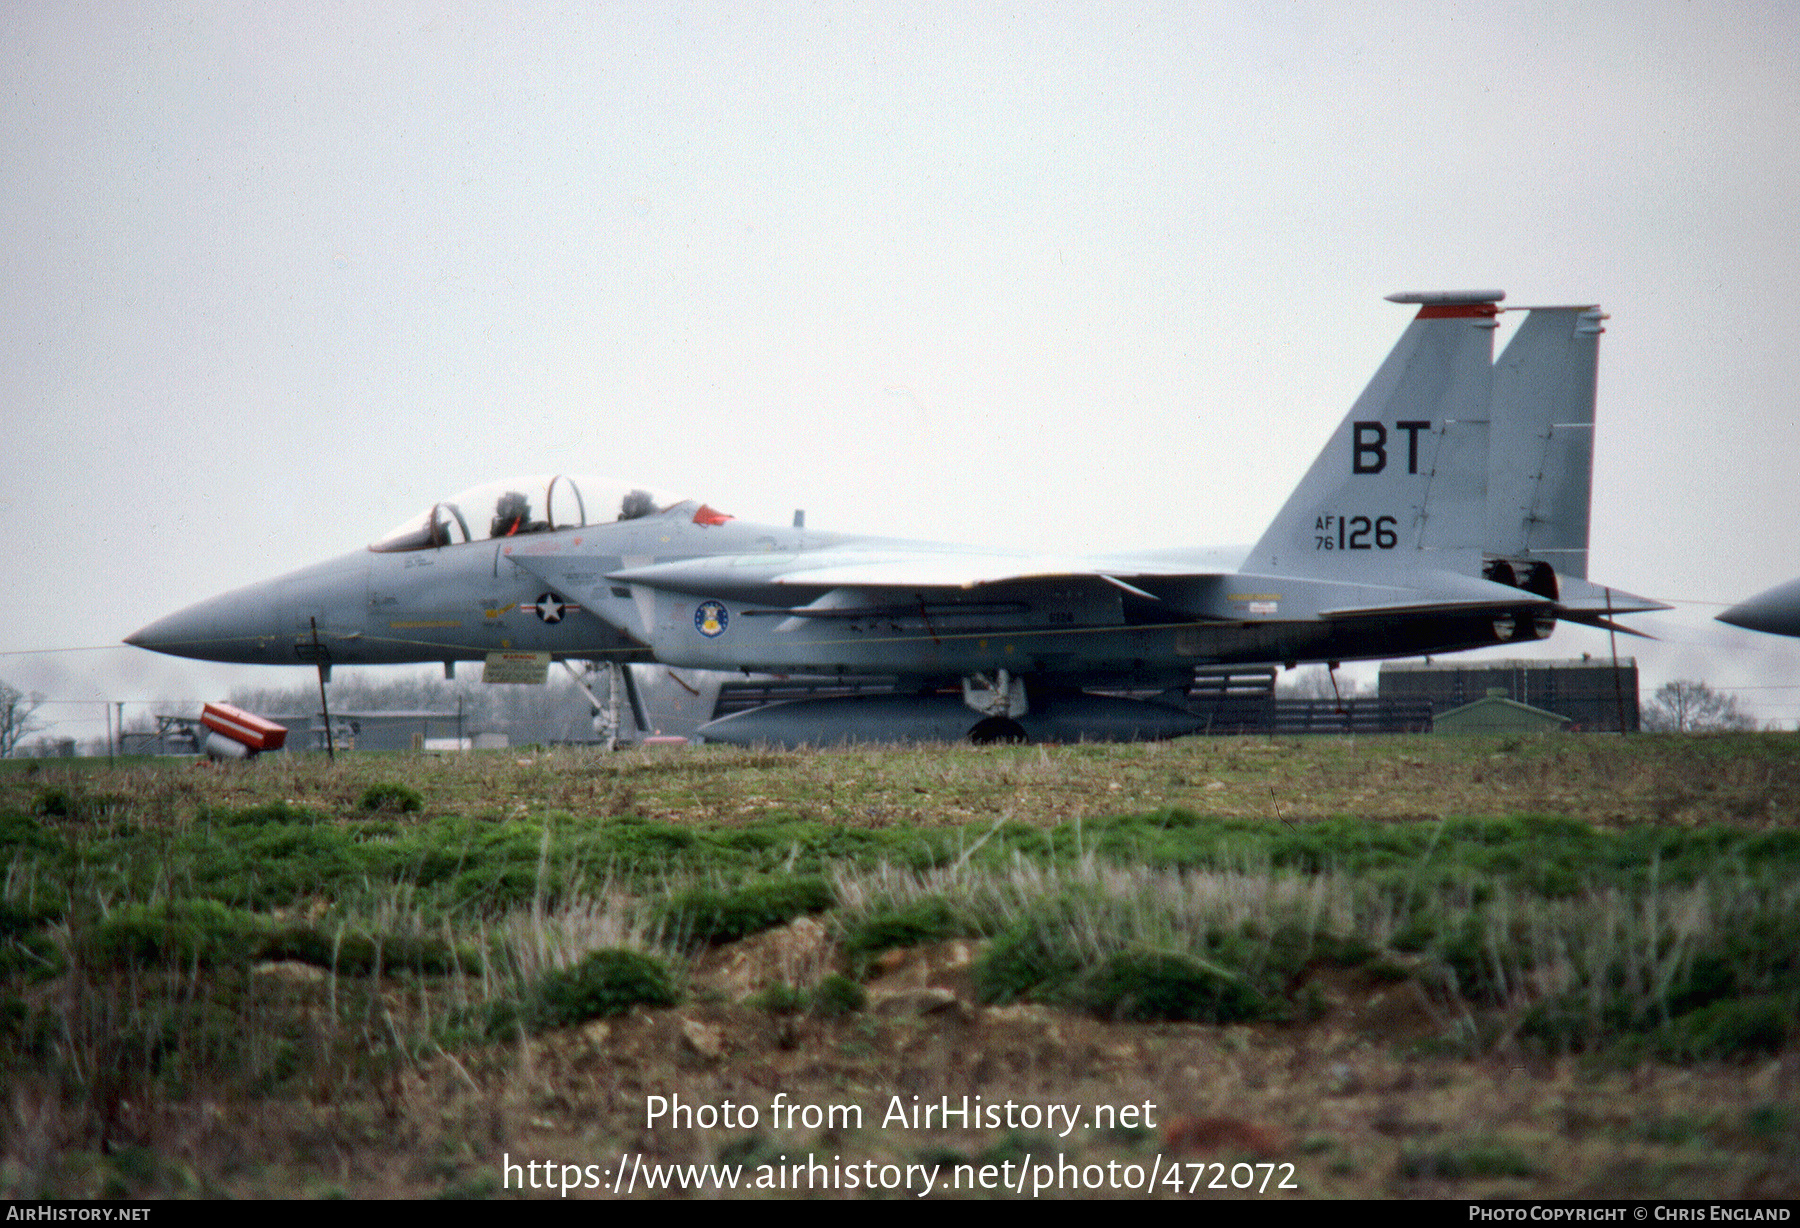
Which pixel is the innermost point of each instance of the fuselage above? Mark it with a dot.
(563, 592)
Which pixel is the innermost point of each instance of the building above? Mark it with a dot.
(1594, 696)
(1497, 714)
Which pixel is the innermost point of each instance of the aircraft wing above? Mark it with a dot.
(895, 569)
(1436, 593)
(1186, 587)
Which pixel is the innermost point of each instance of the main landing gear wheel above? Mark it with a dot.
(998, 731)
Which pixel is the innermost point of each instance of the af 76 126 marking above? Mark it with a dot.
(1337, 532)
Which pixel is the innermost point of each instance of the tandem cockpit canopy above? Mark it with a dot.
(516, 506)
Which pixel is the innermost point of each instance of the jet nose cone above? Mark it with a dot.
(267, 623)
(193, 632)
(241, 626)
(1776, 612)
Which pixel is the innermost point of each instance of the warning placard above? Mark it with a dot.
(532, 667)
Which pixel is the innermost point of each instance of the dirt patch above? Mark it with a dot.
(1363, 1099)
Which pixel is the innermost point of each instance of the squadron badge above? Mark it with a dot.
(711, 618)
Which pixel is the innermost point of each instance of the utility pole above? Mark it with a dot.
(319, 659)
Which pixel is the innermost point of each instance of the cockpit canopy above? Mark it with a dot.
(516, 506)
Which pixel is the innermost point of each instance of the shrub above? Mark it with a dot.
(392, 797)
(20, 833)
(53, 800)
(1737, 1028)
(838, 995)
(706, 914)
(1167, 985)
(779, 999)
(925, 920)
(269, 814)
(178, 931)
(1029, 960)
(354, 954)
(1769, 1122)
(606, 983)
(1461, 1164)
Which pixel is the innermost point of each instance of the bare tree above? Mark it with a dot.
(16, 712)
(1314, 682)
(1687, 706)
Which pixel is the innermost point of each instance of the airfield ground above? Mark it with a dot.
(1380, 967)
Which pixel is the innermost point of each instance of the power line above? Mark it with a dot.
(33, 652)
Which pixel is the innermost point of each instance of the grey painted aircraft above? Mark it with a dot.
(1776, 611)
(1448, 511)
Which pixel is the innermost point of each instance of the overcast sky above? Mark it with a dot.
(1070, 276)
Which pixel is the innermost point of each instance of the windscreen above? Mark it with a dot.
(517, 506)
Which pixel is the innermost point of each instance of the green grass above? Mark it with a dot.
(292, 928)
(1472, 1161)
(1476, 908)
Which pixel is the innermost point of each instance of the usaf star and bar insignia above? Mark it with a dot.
(551, 607)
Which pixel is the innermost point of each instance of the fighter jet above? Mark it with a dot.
(1776, 611)
(1448, 511)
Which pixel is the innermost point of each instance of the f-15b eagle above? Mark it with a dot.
(1448, 511)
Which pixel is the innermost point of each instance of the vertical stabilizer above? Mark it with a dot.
(1403, 482)
(1541, 449)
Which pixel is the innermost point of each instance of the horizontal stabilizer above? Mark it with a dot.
(1444, 593)
(1447, 608)
(1602, 623)
(1578, 597)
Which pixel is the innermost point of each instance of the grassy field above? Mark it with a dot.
(1379, 967)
